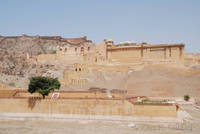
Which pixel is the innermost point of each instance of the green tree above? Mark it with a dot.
(186, 97)
(43, 85)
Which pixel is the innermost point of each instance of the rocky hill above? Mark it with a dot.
(34, 45)
(17, 56)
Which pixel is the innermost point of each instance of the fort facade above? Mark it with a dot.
(123, 53)
(108, 56)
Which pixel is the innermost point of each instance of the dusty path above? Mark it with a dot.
(30, 126)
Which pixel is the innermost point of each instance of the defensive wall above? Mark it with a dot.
(82, 104)
(107, 107)
(161, 52)
(56, 38)
(119, 54)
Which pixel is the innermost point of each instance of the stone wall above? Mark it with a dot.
(140, 53)
(108, 107)
(3, 87)
(118, 55)
(191, 59)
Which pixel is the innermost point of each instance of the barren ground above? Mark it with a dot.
(32, 126)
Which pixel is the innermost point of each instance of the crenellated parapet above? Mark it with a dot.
(56, 38)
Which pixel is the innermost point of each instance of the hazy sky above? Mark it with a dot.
(156, 21)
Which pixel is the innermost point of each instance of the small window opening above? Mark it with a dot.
(82, 49)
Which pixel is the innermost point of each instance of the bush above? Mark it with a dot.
(186, 97)
(43, 85)
(53, 52)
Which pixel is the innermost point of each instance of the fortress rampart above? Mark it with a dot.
(56, 38)
(81, 103)
(174, 52)
(105, 107)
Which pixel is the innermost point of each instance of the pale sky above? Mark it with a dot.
(156, 21)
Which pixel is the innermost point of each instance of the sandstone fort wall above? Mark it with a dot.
(145, 53)
(107, 107)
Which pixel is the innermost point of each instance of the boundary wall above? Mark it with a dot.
(87, 107)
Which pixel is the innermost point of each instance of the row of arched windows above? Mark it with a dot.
(82, 49)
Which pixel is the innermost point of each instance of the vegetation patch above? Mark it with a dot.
(152, 101)
(43, 85)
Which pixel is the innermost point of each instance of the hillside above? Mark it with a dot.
(18, 57)
(164, 82)
(152, 80)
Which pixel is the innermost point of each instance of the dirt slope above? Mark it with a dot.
(164, 82)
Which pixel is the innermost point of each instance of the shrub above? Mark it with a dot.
(53, 52)
(186, 97)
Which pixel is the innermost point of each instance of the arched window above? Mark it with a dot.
(82, 49)
(79, 69)
(88, 48)
(65, 49)
(75, 49)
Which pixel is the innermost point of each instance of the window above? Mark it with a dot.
(88, 48)
(79, 69)
(82, 49)
(75, 49)
(65, 49)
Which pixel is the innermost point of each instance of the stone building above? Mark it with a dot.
(130, 52)
(81, 50)
(81, 55)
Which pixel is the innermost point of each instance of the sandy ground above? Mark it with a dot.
(30, 126)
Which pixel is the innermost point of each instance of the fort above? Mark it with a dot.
(73, 59)
(108, 56)
(96, 79)
(108, 53)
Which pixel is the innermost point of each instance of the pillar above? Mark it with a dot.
(142, 51)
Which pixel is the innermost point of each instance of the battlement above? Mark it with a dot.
(57, 38)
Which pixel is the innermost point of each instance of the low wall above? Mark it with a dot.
(2, 87)
(71, 95)
(105, 107)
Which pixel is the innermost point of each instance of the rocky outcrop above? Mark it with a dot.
(18, 60)
(34, 45)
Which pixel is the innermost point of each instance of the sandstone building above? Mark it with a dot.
(108, 56)
(123, 53)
